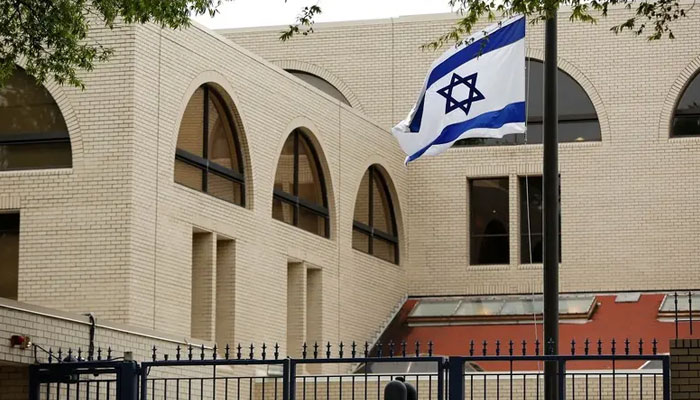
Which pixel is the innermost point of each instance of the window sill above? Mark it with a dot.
(37, 172)
(686, 139)
(489, 267)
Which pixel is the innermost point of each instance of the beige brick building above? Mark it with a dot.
(112, 233)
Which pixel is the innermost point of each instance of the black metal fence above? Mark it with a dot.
(590, 370)
(682, 310)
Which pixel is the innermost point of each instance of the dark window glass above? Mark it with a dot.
(686, 119)
(320, 84)
(299, 196)
(9, 255)
(531, 228)
(208, 156)
(33, 133)
(374, 222)
(488, 205)
(578, 121)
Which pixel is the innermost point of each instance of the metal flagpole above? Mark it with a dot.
(550, 183)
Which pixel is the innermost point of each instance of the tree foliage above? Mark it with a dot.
(50, 37)
(651, 17)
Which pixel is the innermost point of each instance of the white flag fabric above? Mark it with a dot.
(476, 89)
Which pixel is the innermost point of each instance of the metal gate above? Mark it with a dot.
(484, 373)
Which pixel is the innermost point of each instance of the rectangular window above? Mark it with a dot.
(9, 254)
(531, 220)
(488, 212)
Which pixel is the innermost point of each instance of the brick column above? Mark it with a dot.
(685, 369)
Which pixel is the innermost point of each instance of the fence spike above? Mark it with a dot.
(391, 348)
(99, 353)
(264, 350)
(165, 356)
(627, 346)
(510, 347)
(153, 352)
(498, 347)
(366, 349)
(328, 350)
(550, 346)
(177, 352)
(653, 346)
(380, 349)
(238, 351)
(189, 351)
(303, 350)
(613, 346)
(252, 351)
(340, 349)
(471, 347)
(600, 346)
(675, 311)
(109, 352)
(201, 353)
(417, 348)
(430, 348)
(354, 349)
(51, 355)
(60, 355)
(641, 346)
(483, 349)
(690, 311)
(585, 347)
(537, 347)
(573, 347)
(315, 350)
(213, 352)
(80, 354)
(403, 348)
(277, 351)
(227, 352)
(524, 347)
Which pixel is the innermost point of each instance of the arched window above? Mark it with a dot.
(320, 83)
(686, 118)
(578, 121)
(299, 196)
(374, 223)
(208, 156)
(33, 133)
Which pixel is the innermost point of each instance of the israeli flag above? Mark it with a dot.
(473, 90)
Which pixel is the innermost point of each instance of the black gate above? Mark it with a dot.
(485, 373)
(107, 380)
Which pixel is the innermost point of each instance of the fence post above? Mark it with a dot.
(562, 378)
(667, 377)
(34, 382)
(127, 381)
(290, 374)
(455, 367)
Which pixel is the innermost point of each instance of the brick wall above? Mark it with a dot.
(685, 369)
(626, 200)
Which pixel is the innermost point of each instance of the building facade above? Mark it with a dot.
(226, 187)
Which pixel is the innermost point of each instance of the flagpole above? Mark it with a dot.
(550, 178)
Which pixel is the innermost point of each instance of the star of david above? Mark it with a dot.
(466, 104)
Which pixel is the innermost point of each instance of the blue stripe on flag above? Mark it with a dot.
(513, 112)
(499, 38)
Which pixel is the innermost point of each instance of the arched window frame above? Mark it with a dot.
(293, 199)
(33, 138)
(370, 230)
(519, 139)
(676, 113)
(203, 163)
